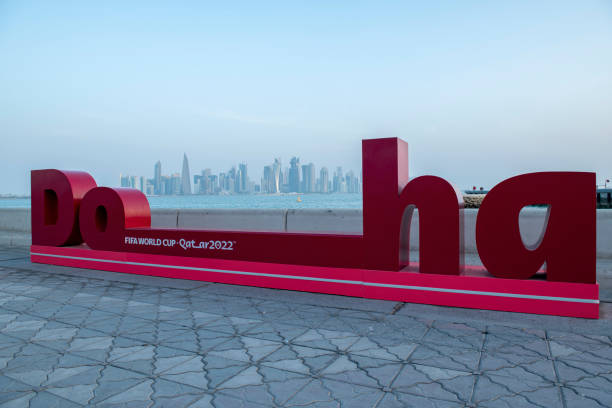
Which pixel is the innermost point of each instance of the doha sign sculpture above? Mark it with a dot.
(68, 208)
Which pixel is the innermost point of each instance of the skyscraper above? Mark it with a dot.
(338, 180)
(150, 187)
(243, 179)
(205, 182)
(213, 183)
(267, 182)
(175, 184)
(165, 185)
(324, 180)
(352, 182)
(276, 170)
(272, 177)
(197, 184)
(223, 182)
(125, 181)
(185, 178)
(157, 178)
(308, 178)
(294, 175)
(231, 180)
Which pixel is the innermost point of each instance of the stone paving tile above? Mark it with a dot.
(459, 335)
(397, 399)
(75, 341)
(587, 397)
(443, 356)
(540, 397)
(432, 382)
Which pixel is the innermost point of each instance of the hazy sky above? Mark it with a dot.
(480, 90)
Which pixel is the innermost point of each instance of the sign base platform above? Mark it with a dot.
(474, 289)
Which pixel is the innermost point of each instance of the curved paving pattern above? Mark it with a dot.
(70, 340)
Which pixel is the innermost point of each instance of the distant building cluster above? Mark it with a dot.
(296, 178)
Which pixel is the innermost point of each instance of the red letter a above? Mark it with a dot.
(567, 244)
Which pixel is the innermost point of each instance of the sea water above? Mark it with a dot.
(333, 200)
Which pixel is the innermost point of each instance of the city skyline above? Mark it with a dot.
(295, 178)
(274, 180)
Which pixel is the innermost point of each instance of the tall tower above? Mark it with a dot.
(157, 178)
(337, 182)
(267, 180)
(310, 179)
(185, 178)
(276, 169)
(243, 179)
(205, 182)
(294, 175)
(324, 180)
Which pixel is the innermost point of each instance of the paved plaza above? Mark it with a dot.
(74, 337)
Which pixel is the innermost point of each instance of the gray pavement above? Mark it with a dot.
(73, 337)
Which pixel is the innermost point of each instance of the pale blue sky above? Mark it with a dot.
(480, 90)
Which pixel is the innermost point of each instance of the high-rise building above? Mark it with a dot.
(267, 182)
(237, 180)
(185, 178)
(324, 180)
(243, 179)
(231, 184)
(272, 179)
(222, 182)
(205, 182)
(308, 178)
(135, 182)
(304, 179)
(213, 183)
(150, 187)
(197, 186)
(284, 180)
(352, 182)
(165, 185)
(176, 184)
(157, 178)
(276, 174)
(231, 180)
(294, 175)
(338, 180)
(124, 180)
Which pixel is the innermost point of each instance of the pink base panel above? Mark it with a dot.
(474, 289)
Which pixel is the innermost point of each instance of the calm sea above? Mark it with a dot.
(335, 200)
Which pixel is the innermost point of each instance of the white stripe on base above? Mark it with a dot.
(350, 282)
